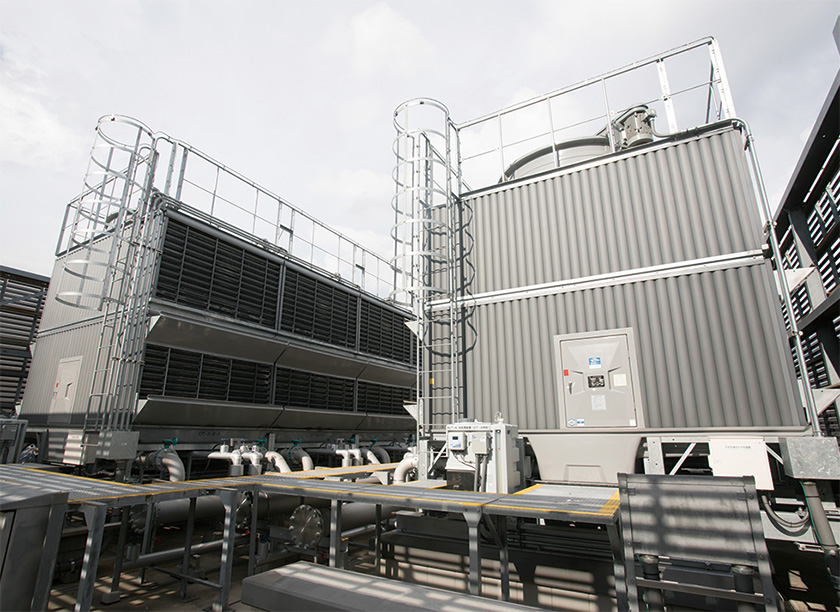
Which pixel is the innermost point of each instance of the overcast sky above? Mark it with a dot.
(299, 96)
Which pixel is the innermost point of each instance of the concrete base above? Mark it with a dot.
(307, 587)
(111, 597)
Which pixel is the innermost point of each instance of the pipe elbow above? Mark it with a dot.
(301, 455)
(346, 457)
(381, 454)
(173, 464)
(408, 463)
(277, 462)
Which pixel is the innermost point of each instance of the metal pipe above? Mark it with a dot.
(173, 464)
(278, 462)
(654, 597)
(408, 463)
(235, 457)
(167, 458)
(296, 452)
(177, 553)
(346, 458)
(381, 454)
(822, 528)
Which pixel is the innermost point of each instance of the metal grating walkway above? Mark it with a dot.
(580, 504)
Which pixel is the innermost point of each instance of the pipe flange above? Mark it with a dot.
(306, 525)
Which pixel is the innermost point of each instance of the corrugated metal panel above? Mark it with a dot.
(49, 351)
(711, 352)
(682, 202)
(21, 305)
(712, 348)
(57, 314)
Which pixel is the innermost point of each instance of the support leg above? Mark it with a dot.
(229, 499)
(252, 544)
(473, 518)
(147, 536)
(504, 559)
(336, 554)
(618, 566)
(185, 562)
(46, 569)
(113, 596)
(650, 570)
(378, 538)
(95, 519)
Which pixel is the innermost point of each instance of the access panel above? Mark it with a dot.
(597, 381)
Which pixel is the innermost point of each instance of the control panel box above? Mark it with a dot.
(597, 380)
(485, 457)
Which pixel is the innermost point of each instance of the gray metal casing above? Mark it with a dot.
(597, 376)
(70, 337)
(499, 444)
(811, 458)
(665, 240)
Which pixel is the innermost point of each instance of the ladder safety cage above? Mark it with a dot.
(425, 258)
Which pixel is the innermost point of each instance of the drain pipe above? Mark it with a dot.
(162, 556)
(408, 463)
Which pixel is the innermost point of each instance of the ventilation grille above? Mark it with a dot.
(21, 306)
(383, 399)
(308, 390)
(384, 333)
(175, 373)
(172, 372)
(201, 271)
(318, 310)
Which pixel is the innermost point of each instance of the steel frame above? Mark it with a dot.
(597, 506)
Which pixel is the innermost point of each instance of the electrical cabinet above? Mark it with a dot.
(597, 380)
(489, 455)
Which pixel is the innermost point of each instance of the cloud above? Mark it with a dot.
(378, 41)
(361, 188)
(33, 134)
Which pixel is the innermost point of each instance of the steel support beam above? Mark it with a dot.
(230, 498)
(113, 596)
(95, 519)
(473, 518)
(46, 569)
(336, 553)
(185, 562)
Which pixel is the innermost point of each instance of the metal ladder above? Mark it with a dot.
(425, 261)
(111, 243)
